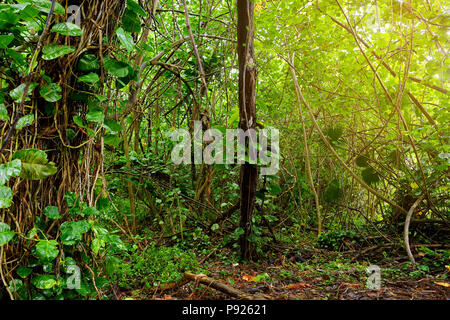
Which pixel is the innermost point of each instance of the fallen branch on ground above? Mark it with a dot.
(203, 279)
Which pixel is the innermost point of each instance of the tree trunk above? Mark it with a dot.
(77, 159)
(247, 115)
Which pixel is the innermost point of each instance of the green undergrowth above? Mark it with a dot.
(154, 266)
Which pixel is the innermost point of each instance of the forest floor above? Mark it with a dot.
(317, 275)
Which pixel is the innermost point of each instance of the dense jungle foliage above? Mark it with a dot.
(92, 205)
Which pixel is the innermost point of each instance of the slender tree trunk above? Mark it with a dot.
(247, 114)
(306, 146)
(134, 107)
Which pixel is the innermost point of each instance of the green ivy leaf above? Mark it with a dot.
(112, 126)
(5, 234)
(44, 6)
(88, 62)
(89, 78)
(8, 19)
(47, 250)
(370, 175)
(112, 140)
(35, 165)
(4, 227)
(97, 244)
(122, 82)
(50, 92)
(131, 21)
(52, 212)
(17, 286)
(136, 8)
(67, 29)
(95, 116)
(18, 58)
(101, 98)
(25, 121)
(78, 121)
(90, 211)
(54, 50)
(44, 282)
(115, 68)
(18, 92)
(362, 161)
(46, 78)
(5, 40)
(23, 272)
(5, 197)
(3, 112)
(72, 232)
(125, 39)
(8, 170)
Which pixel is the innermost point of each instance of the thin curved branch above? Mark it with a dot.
(406, 229)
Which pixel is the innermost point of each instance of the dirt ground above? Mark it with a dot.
(282, 279)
